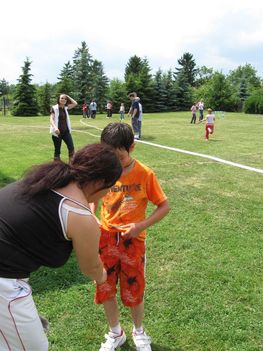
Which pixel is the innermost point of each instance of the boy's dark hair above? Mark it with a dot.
(132, 95)
(118, 135)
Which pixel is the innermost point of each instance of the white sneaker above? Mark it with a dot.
(142, 342)
(112, 341)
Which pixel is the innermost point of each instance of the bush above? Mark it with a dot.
(254, 103)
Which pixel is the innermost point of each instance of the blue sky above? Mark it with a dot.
(221, 34)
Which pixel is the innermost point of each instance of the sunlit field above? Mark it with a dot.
(204, 260)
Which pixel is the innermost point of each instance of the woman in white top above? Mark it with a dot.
(60, 126)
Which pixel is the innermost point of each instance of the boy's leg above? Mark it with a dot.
(106, 292)
(111, 312)
(137, 313)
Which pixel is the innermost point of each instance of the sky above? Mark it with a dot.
(221, 34)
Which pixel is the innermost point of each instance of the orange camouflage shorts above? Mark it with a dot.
(124, 260)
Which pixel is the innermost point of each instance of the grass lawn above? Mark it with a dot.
(204, 260)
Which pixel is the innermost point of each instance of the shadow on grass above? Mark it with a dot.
(62, 278)
(129, 346)
(4, 180)
(147, 138)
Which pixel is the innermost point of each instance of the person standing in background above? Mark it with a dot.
(201, 107)
(134, 112)
(60, 126)
(93, 109)
(122, 112)
(193, 109)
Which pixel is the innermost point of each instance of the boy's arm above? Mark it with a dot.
(134, 229)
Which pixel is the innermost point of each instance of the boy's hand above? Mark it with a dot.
(131, 230)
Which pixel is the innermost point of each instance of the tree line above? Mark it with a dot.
(174, 90)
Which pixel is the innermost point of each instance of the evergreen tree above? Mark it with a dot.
(139, 79)
(183, 92)
(118, 94)
(44, 98)
(169, 85)
(160, 92)
(100, 84)
(246, 73)
(66, 80)
(82, 68)
(187, 68)
(25, 101)
(4, 90)
(243, 93)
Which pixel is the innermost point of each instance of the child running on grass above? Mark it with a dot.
(123, 233)
(210, 123)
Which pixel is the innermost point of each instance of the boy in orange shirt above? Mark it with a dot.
(122, 243)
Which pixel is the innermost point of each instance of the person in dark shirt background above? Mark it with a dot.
(42, 218)
(60, 126)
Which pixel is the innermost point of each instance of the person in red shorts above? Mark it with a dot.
(123, 233)
(209, 123)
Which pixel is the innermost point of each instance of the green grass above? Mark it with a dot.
(204, 260)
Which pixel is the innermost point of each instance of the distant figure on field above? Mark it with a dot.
(93, 109)
(140, 116)
(201, 107)
(134, 112)
(60, 126)
(210, 123)
(85, 110)
(122, 112)
(109, 109)
(193, 109)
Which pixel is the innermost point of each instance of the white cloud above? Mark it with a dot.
(49, 33)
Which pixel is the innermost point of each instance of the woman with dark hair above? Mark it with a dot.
(42, 218)
(60, 126)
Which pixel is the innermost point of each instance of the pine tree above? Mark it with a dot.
(139, 79)
(44, 98)
(82, 68)
(4, 91)
(183, 92)
(188, 69)
(66, 80)
(118, 95)
(25, 101)
(100, 84)
(169, 85)
(160, 92)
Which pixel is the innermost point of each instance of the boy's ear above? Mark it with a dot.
(132, 147)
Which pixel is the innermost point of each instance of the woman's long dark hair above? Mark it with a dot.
(95, 162)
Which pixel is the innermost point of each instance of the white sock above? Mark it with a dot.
(116, 329)
(138, 330)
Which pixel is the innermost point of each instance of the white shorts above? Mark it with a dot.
(20, 325)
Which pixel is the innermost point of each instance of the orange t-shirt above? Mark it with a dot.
(127, 200)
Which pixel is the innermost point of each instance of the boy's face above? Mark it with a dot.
(124, 157)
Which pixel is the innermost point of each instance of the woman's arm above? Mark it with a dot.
(85, 235)
(71, 102)
(52, 123)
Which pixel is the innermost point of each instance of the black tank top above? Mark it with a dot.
(30, 233)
